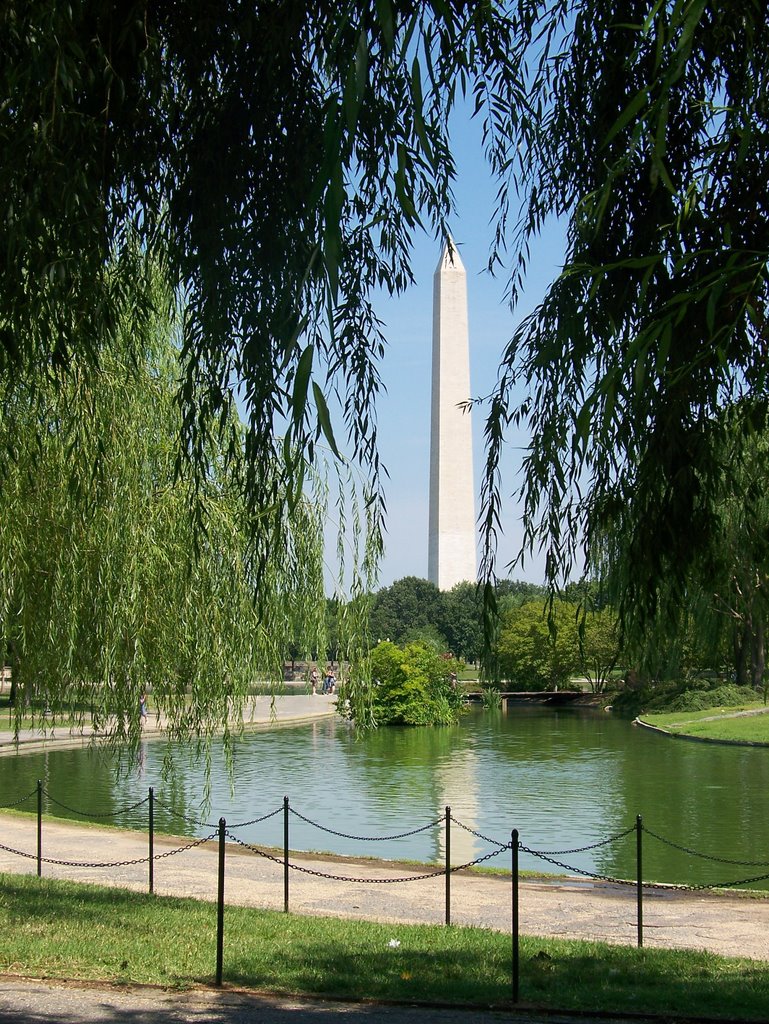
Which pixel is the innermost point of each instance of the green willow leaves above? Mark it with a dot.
(275, 160)
(269, 161)
(647, 131)
(108, 586)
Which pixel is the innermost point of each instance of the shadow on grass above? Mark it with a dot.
(71, 930)
(638, 983)
(27, 897)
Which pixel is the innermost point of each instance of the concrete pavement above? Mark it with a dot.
(261, 712)
(52, 1002)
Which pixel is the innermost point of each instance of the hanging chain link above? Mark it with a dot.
(706, 856)
(578, 871)
(75, 863)
(364, 881)
(577, 849)
(480, 835)
(550, 856)
(253, 849)
(479, 860)
(367, 839)
(189, 846)
(257, 821)
(106, 864)
(213, 824)
(21, 800)
(662, 886)
(95, 814)
(335, 878)
(184, 817)
(590, 846)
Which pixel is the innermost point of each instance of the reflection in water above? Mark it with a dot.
(564, 778)
(457, 787)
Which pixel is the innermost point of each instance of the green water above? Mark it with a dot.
(565, 779)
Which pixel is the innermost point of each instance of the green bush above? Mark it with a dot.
(694, 695)
(726, 696)
(411, 685)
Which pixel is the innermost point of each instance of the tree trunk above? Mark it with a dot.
(757, 660)
(13, 695)
(741, 645)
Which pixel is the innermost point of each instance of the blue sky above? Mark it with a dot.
(404, 412)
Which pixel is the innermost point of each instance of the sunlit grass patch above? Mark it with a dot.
(716, 723)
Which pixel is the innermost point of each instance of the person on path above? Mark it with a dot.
(143, 708)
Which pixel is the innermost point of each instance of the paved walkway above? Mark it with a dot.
(50, 1002)
(260, 713)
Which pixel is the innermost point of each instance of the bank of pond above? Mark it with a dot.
(567, 779)
(745, 723)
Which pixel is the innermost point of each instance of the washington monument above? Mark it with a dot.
(451, 555)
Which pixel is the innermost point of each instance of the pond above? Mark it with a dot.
(566, 779)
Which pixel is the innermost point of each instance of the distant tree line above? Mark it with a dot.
(538, 644)
(544, 642)
(413, 609)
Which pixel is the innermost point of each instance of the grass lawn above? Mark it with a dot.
(716, 723)
(65, 930)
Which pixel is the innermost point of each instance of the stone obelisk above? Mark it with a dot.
(451, 553)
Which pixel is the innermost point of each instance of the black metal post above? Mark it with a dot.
(220, 906)
(285, 854)
(639, 879)
(152, 839)
(448, 865)
(39, 828)
(516, 949)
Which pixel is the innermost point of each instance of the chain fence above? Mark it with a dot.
(212, 824)
(366, 839)
(20, 801)
(96, 814)
(227, 832)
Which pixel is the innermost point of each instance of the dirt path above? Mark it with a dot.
(730, 925)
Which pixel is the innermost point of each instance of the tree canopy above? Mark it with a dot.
(413, 609)
(275, 159)
(721, 623)
(647, 129)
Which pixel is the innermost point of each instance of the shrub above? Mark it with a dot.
(690, 696)
(722, 696)
(412, 686)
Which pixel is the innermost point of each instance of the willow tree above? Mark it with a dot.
(108, 585)
(741, 596)
(721, 617)
(647, 131)
(275, 158)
